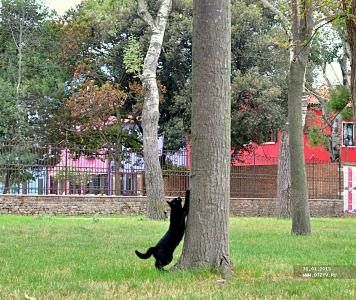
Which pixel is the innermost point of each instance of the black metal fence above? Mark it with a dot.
(52, 169)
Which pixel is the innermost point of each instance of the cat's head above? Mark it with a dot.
(175, 203)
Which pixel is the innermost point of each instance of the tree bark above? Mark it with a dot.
(150, 112)
(302, 26)
(300, 37)
(299, 191)
(343, 63)
(334, 142)
(206, 242)
(283, 177)
(350, 7)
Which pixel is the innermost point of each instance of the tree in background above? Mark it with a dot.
(206, 243)
(302, 28)
(22, 21)
(256, 107)
(329, 46)
(335, 107)
(150, 112)
(256, 56)
(349, 7)
(255, 46)
(30, 78)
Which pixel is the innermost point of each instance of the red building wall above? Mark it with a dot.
(267, 153)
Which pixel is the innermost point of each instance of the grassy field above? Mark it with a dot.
(93, 258)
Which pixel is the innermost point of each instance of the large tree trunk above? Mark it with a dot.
(207, 235)
(350, 7)
(302, 26)
(150, 112)
(283, 177)
(299, 190)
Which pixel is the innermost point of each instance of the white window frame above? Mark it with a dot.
(353, 135)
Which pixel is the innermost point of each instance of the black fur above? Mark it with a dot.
(163, 251)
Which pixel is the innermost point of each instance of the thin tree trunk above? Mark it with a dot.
(206, 242)
(343, 66)
(300, 37)
(150, 112)
(334, 142)
(283, 177)
(19, 75)
(19, 45)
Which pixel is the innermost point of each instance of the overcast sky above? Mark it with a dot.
(61, 6)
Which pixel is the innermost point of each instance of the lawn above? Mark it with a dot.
(93, 258)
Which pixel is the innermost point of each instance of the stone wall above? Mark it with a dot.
(267, 207)
(71, 205)
(135, 205)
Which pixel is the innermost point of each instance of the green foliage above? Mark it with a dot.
(78, 177)
(326, 47)
(317, 137)
(16, 161)
(257, 108)
(8, 111)
(347, 113)
(339, 98)
(133, 57)
(170, 166)
(254, 52)
(109, 39)
(27, 25)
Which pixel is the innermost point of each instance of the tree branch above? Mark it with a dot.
(323, 102)
(315, 32)
(164, 10)
(282, 17)
(144, 14)
(295, 20)
(326, 77)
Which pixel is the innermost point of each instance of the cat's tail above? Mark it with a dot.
(145, 255)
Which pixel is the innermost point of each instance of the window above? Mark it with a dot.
(348, 134)
(53, 185)
(40, 186)
(98, 184)
(130, 184)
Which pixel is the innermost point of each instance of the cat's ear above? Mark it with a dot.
(179, 199)
(187, 194)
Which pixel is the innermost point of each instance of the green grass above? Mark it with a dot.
(86, 258)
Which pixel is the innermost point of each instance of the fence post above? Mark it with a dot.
(313, 182)
(340, 170)
(66, 164)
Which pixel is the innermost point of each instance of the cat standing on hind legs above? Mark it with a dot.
(163, 251)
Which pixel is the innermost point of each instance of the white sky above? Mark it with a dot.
(61, 6)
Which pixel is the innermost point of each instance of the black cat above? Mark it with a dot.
(163, 251)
